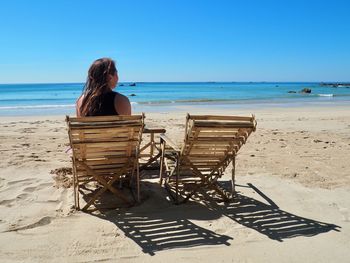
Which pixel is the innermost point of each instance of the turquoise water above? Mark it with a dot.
(42, 99)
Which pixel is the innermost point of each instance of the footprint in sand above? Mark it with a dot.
(30, 189)
(22, 196)
(26, 181)
(7, 203)
(42, 222)
(41, 186)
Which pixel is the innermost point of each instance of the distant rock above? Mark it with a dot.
(336, 84)
(132, 95)
(292, 91)
(132, 84)
(305, 90)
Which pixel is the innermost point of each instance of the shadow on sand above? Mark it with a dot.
(269, 219)
(157, 225)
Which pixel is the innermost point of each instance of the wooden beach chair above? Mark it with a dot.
(211, 143)
(105, 154)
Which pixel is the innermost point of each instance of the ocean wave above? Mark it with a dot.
(333, 95)
(184, 101)
(36, 107)
(34, 99)
(325, 95)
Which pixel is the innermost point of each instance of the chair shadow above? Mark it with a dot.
(269, 219)
(158, 225)
(166, 227)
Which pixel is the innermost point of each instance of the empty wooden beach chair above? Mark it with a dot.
(105, 154)
(211, 143)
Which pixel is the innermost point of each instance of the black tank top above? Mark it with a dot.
(107, 104)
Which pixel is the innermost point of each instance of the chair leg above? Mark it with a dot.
(177, 179)
(138, 181)
(75, 187)
(76, 193)
(77, 205)
(233, 191)
(161, 168)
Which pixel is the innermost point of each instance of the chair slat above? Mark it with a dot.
(219, 117)
(96, 119)
(217, 124)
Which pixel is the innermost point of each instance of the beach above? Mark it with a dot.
(293, 201)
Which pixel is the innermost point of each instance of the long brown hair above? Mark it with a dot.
(96, 85)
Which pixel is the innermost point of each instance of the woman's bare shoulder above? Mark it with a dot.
(80, 99)
(122, 104)
(78, 105)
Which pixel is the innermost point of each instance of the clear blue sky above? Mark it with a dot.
(189, 40)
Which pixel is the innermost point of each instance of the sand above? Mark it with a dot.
(292, 205)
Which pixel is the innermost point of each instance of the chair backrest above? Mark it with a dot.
(211, 142)
(106, 144)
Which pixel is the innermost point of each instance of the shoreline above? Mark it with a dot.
(323, 102)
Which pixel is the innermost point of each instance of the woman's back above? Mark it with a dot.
(106, 102)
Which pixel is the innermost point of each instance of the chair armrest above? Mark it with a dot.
(153, 130)
(169, 142)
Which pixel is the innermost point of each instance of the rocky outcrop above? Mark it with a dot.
(305, 90)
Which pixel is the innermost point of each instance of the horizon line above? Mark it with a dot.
(122, 82)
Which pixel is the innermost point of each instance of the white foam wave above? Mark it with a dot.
(325, 95)
(36, 107)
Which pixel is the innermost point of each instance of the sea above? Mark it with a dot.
(59, 98)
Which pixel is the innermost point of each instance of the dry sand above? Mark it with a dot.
(293, 204)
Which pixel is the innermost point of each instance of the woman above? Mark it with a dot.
(98, 98)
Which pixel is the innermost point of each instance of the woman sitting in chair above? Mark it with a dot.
(98, 97)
